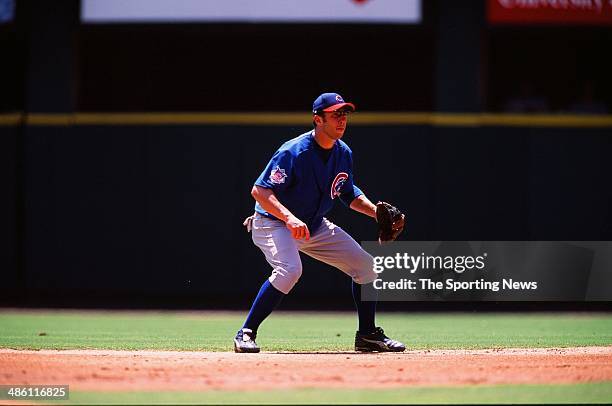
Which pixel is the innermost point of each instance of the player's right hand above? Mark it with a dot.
(298, 228)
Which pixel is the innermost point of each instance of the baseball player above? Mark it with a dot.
(293, 193)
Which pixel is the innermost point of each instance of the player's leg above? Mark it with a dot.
(366, 310)
(279, 248)
(332, 245)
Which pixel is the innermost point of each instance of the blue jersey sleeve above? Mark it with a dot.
(352, 192)
(279, 172)
(349, 191)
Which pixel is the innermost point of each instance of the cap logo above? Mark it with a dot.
(339, 99)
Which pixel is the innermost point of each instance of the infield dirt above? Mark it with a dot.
(104, 370)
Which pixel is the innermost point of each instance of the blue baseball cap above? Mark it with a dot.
(330, 102)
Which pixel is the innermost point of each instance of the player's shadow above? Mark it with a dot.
(328, 352)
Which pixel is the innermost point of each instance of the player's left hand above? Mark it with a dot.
(390, 221)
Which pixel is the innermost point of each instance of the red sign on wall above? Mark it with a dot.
(598, 12)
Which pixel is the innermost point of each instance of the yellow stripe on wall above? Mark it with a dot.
(546, 120)
(11, 119)
(305, 119)
(169, 119)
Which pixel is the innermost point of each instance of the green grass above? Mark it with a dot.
(498, 394)
(293, 331)
(316, 332)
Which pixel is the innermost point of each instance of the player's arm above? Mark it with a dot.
(363, 205)
(268, 201)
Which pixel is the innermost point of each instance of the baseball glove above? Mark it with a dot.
(390, 221)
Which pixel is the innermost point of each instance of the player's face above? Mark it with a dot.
(334, 124)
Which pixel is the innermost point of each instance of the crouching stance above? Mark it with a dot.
(295, 191)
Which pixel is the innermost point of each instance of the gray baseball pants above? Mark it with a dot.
(329, 244)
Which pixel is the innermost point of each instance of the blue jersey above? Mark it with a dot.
(304, 183)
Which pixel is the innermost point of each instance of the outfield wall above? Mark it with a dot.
(10, 268)
(155, 211)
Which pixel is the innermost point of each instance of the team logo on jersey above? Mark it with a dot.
(278, 175)
(337, 184)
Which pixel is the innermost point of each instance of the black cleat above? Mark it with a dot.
(245, 341)
(377, 341)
